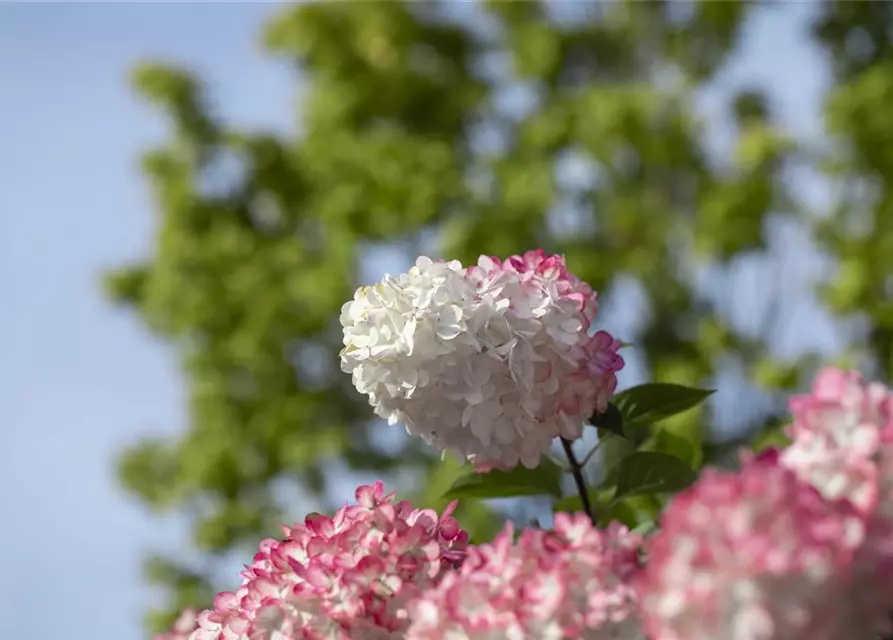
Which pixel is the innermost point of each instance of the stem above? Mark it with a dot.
(577, 472)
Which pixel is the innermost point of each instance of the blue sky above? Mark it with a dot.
(80, 379)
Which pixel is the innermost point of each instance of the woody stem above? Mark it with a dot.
(576, 470)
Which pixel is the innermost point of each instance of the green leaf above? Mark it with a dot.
(611, 454)
(520, 481)
(572, 503)
(771, 438)
(624, 345)
(647, 472)
(611, 420)
(665, 441)
(623, 512)
(720, 453)
(645, 528)
(725, 454)
(630, 511)
(646, 404)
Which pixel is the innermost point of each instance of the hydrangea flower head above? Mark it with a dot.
(839, 439)
(490, 362)
(346, 577)
(842, 444)
(758, 555)
(573, 582)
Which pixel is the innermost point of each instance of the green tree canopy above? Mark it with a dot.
(465, 129)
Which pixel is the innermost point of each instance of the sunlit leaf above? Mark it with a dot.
(520, 481)
(647, 404)
(647, 472)
(670, 442)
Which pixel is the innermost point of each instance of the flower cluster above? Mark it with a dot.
(842, 444)
(573, 582)
(842, 440)
(348, 577)
(797, 544)
(756, 555)
(494, 361)
(490, 362)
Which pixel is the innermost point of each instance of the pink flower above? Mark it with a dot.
(349, 576)
(182, 627)
(602, 362)
(759, 555)
(553, 268)
(573, 582)
(842, 444)
(839, 436)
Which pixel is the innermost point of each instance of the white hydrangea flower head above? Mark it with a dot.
(490, 363)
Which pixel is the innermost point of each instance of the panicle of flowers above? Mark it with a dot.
(573, 582)
(346, 577)
(490, 362)
(759, 555)
(182, 628)
(842, 444)
(842, 440)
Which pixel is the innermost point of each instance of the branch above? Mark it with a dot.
(577, 472)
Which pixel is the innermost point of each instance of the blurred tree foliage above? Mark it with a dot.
(858, 229)
(494, 127)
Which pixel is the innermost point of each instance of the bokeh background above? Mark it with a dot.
(189, 191)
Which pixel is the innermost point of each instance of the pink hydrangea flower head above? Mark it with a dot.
(837, 438)
(758, 555)
(345, 577)
(491, 362)
(183, 626)
(573, 582)
(842, 444)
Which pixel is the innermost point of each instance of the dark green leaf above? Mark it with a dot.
(545, 479)
(622, 511)
(725, 454)
(646, 404)
(611, 420)
(665, 441)
(652, 472)
(572, 503)
(611, 454)
(630, 511)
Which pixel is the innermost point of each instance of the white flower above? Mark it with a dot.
(491, 363)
